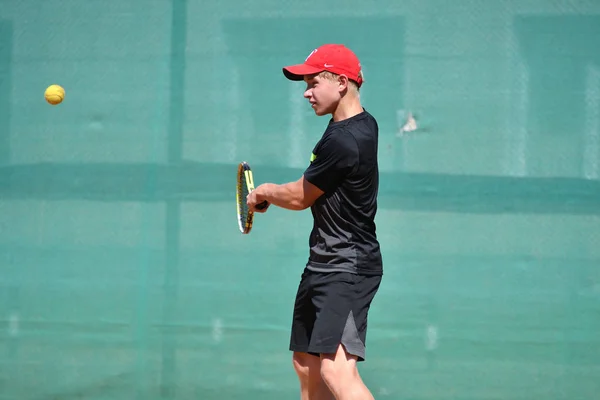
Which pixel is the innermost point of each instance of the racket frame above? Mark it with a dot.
(244, 177)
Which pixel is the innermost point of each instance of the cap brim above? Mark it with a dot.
(297, 72)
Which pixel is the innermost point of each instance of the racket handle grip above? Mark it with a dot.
(262, 206)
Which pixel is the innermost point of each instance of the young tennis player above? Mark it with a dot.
(344, 269)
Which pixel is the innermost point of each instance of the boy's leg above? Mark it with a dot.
(308, 369)
(340, 373)
(330, 319)
(339, 334)
(307, 366)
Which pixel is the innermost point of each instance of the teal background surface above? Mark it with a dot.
(122, 271)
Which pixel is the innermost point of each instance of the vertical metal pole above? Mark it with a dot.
(591, 142)
(173, 206)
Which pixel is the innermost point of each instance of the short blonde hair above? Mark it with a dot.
(332, 77)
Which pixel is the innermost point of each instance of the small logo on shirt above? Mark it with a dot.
(313, 157)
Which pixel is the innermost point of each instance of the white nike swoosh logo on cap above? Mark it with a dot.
(328, 65)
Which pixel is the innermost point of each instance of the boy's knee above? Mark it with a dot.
(301, 369)
(337, 373)
(304, 364)
(329, 373)
(338, 369)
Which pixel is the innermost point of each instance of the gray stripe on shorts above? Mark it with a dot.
(351, 340)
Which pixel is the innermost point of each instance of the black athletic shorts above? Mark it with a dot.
(332, 308)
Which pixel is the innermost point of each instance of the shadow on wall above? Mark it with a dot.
(206, 182)
(6, 34)
(562, 117)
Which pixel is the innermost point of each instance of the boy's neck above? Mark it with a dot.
(348, 107)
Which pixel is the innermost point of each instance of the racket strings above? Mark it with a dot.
(245, 185)
(242, 194)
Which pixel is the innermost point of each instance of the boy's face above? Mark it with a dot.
(322, 93)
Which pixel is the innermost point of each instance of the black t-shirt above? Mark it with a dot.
(344, 165)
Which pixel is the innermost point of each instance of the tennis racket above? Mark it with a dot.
(245, 184)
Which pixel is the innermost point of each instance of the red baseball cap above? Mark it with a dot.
(335, 58)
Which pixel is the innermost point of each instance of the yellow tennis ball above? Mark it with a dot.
(54, 94)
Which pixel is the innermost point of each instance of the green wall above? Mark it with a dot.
(123, 274)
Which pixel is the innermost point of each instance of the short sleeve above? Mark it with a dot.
(334, 158)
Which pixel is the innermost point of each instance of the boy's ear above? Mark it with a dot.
(343, 80)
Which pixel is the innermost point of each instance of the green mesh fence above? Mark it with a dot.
(123, 274)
